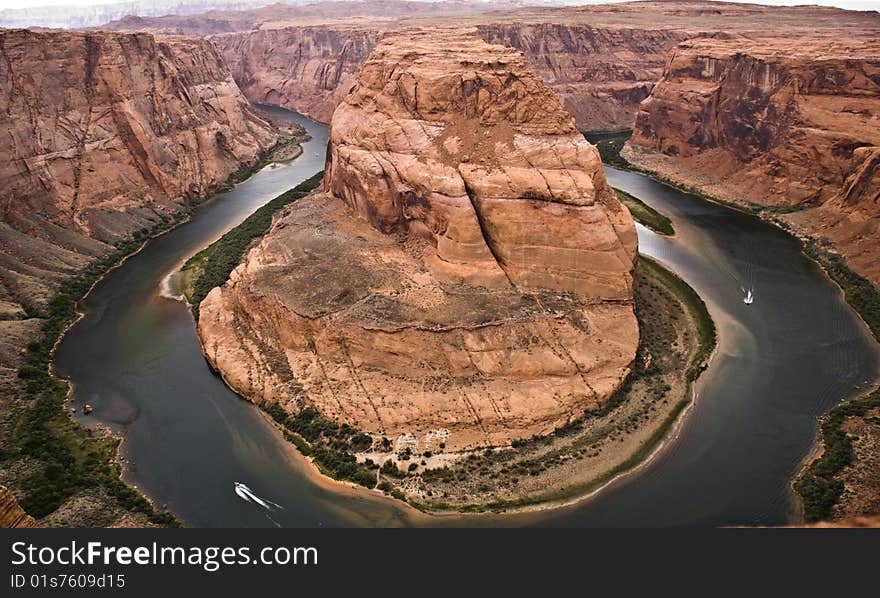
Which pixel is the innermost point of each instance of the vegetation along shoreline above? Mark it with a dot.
(818, 483)
(77, 458)
(592, 449)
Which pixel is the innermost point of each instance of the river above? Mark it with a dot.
(781, 362)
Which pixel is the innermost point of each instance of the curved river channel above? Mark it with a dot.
(781, 362)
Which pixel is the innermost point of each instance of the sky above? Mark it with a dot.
(853, 4)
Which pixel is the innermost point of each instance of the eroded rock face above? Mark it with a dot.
(600, 60)
(851, 219)
(468, 272)
(792, 123)
(785, 116)
(471, 149)
(104, 134)
(101, 135)
(311, 68)
(307, 69)
(599, 73)
(11, 514)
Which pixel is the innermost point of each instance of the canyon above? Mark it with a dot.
(599, 74)
(793, 126)
(107, 137)
(424, 235)
(789, 129)
(306, 69)
(601, 61)
(452, 172)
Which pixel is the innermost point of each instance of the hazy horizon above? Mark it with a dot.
(848, 4)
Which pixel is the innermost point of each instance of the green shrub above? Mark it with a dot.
(645, 214)
(860, 293)
(817, 485)
(609, 144)
(221, 257)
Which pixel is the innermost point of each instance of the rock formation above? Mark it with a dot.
(791, 123)
(851, 219)
(12, 515)
(307, 69)
(600, 74)
(783, 119)
(311, 68)
(426, 141)
(600, 60)
(466, 276)
(104, 135)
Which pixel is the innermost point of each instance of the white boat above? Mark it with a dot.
(749, 298)
(242, 491)
(248, 495)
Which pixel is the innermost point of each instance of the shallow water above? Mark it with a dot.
(782, 361)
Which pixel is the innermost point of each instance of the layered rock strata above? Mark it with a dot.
(307, 69)
(104, 135)
(793, 124)
(11, 514)
(600, 74)
(467, 275)
(601, 60)
(851, 218)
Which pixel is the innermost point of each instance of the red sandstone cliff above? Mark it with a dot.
(467, 275)
(102, 135)
(12, 515)
(851, 219)
(105, 134)
(307, 69)
(774, 122)
(600, 60)
(600, 75)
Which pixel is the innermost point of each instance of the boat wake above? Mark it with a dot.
(248, 495)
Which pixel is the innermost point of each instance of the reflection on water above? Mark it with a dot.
(781, 362)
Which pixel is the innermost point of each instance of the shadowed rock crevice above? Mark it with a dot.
(486, 238)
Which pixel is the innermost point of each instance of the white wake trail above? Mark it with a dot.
(242, 494)
(249, 495)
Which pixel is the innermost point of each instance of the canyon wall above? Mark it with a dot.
(307, 69)
(104, 135)
(791, 124)
(466, 275)
(600, 75)
(600, 60)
